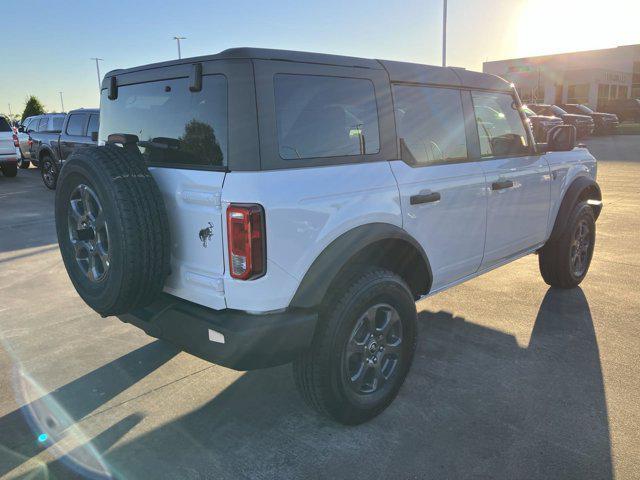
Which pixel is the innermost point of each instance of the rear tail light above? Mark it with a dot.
(247, 241)
(16, 142)
(30, 142)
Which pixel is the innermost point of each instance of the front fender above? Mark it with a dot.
(581, 188)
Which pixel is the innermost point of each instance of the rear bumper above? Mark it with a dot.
(250, 341)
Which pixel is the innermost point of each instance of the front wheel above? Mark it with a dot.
(49, 172)
(362, 350)
(565, 261)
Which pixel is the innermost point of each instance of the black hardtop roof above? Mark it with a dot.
(398, 71)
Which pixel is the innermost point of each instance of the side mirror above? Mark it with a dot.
(561, 138)
(21, 129)
(94, 136)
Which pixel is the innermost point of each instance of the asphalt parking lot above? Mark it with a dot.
(511, 379)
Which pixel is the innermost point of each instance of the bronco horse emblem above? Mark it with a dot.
(206, 234)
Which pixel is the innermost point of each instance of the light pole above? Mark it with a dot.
(10, 114)
(444, 34)
(177, 39)
(98, 70)
(61, 102)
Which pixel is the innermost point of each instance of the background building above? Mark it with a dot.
(590, 77)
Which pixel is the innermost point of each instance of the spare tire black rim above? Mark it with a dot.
(374, 349)
(580, 248)
(88, 233)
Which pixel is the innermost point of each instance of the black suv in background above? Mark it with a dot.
(584, 124)
(50, 148)
(540, 124)
(624, 108)
(604, 122)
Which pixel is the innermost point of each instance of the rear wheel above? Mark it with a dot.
(23, 163)
(49, 172)
(565, 261)
(362, 350)
(9, 169)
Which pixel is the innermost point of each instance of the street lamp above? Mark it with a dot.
(98, 70)
(61, 102)
(177, 39)
(444, 33)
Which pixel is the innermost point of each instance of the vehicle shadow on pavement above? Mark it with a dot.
(476, 404)
(55, 413)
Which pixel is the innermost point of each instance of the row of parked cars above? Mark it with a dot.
(587, 122)
(47, 140)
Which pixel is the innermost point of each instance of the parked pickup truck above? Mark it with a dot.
(50, 147)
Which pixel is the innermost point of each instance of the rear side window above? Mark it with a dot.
(43, 126)
(4, 125)
(320, 116)
(176, 127)
(57, 124)
(75, 125)
(94, 124)
(430, 122)
(500, 126)
(32, 126)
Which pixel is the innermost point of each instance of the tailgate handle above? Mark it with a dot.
(424, 198)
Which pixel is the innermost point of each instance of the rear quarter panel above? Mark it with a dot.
(305, 209)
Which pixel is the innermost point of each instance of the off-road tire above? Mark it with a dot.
(555, 258)
(9, 170)
(137, 224)
(49, 171)
(319, 373)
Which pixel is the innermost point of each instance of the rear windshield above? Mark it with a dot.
(4, 125)
(175, 127)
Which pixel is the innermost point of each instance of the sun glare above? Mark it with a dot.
(553, 26)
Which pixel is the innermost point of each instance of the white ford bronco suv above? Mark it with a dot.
(259, 207)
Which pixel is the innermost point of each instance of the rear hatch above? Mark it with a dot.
(7, 146)
(183, 137)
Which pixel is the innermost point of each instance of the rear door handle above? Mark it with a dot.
(502, 184)
(424, 198)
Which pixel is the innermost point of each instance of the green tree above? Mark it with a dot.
(32, 107)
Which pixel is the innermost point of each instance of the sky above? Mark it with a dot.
(46, 46)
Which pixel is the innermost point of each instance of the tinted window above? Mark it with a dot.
(175, 126)
(57, 124)
(500, 127)
(325, 116)
(430, 122)
(75, 125)
(43, 126)
(5, 126)
(94, 124)
(33, 125)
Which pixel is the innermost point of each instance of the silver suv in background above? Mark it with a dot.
(9, 151)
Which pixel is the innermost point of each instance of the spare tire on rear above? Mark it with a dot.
(113, 230)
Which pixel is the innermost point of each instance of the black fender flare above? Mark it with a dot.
(578, 188)
(46, 149)
(340, 252)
